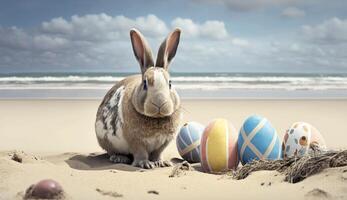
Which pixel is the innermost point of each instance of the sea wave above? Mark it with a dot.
(181, 86)
(177, 78)
(181, 82)
(28, 79)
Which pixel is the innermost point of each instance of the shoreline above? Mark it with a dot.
(187, 98)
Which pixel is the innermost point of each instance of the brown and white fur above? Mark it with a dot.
(140, 115)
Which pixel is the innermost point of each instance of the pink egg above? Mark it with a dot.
(45, 189)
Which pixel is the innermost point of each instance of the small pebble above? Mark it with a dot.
(262, 183)
(109, 193)
(153, 192)
(17, 158)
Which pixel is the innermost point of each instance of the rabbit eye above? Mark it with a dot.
(145, 84)
(170, 84)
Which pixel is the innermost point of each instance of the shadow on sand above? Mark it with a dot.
(97, 162)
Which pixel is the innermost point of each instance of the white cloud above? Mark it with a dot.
(333, 30)
(151, 25)
(14, 37)
(46, 42)
(240, 42)
(102, 27)
(189, 28)
(247, 5)
(57, 25)
(293, 12)
(101, 40)
(212, 29)
(299, 56)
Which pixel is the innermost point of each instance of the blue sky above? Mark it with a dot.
(218, 35)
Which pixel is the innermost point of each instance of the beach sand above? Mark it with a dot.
(56, 140)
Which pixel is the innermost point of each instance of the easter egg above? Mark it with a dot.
(258, 139)
(218, 149)
(45, 189)
(302, 138)
(188, 141)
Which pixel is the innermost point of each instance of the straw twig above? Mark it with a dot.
(296, 169)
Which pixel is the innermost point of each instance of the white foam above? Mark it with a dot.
(60, 79)
(181, 82)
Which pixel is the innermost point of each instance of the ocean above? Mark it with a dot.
(188, 85)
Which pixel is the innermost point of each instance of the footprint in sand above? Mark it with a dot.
(317, 194)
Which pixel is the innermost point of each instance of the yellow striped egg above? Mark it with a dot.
(218, 147)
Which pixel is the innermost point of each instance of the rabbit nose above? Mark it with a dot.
(159, 105)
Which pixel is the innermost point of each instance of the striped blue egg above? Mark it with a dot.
(258, 140)
(188, 141)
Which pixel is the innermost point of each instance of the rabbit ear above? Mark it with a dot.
(168, 49)
(141, 50)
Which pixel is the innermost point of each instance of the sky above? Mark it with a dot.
(294, 36)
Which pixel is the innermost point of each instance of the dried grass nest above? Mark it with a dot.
(296, 169)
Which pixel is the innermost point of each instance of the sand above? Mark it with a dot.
(56, 140)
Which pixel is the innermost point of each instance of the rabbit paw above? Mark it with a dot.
(120, 159)
(162, 163)
(146, 164)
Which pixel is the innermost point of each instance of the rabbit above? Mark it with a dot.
(140, 114)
